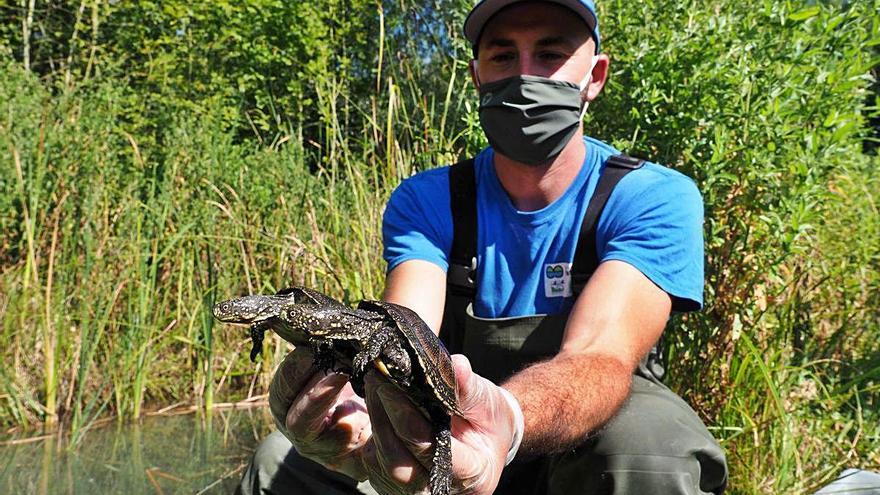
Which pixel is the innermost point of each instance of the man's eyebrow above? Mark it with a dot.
(543, 42)
(499, 42)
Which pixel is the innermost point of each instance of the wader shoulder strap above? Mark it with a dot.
(461, 274)
(586, 260)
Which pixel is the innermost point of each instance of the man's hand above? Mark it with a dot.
(399, 456)
(320, 414)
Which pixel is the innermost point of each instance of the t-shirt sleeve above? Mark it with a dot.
(417, 221)
(654, 222)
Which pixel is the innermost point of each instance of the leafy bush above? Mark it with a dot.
(765, 106)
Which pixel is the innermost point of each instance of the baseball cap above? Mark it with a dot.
(485, 9)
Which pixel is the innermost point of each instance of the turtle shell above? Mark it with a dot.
(429, 352)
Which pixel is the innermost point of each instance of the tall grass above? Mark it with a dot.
(126, 211)
(146, 236)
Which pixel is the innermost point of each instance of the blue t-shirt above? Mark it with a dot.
(652, 221)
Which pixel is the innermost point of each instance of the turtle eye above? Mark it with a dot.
(225, 307)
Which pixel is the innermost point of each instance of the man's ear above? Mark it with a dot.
(475, 77)
(600, 75)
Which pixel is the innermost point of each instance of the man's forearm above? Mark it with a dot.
(567, 398)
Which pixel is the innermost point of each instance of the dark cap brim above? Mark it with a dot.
(483, 11)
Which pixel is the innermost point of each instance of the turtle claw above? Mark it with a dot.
(380, 365)
(359, 363)
(256, 350)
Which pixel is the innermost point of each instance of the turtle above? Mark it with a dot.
(430, 384)
(261, 313)
(390, 337)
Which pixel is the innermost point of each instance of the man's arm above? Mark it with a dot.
(614, 322)
(420, 286)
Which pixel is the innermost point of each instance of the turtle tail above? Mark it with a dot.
(440, 476)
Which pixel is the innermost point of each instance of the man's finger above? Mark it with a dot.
(468, 391)
(292, 374)
(476, 460)
(392, 454)
(311, 409)
(410, 425)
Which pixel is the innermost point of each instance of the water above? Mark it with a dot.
(160, 455)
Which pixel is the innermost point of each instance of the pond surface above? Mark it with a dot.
(196, 454)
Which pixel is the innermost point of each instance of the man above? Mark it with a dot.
(570, 415)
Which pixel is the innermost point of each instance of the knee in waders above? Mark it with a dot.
(656, 444)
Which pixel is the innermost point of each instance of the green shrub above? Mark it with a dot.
(765, 106)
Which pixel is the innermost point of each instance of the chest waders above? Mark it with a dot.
(656, 444)
(499, 347)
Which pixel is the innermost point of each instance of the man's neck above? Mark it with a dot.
(533, 187)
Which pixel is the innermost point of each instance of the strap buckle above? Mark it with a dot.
(462, 277)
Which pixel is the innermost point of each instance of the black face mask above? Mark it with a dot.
(530, 119)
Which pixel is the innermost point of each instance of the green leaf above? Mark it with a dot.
(805, 13)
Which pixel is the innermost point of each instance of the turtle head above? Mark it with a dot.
(303, 317)
(248, 309)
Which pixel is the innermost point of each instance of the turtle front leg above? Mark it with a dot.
(258, 332)
(383, 348)
(322, 350)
